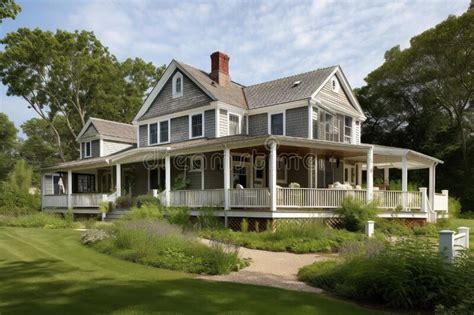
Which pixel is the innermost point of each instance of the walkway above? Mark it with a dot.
(272, 269)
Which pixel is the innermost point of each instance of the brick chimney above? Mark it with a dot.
(220, 68)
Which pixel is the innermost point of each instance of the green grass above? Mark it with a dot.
(49, 272)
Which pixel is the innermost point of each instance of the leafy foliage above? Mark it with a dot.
(8, 145)
(36, 220)
(8, 9)
(125, 202)
(356, 214)
(146, 211)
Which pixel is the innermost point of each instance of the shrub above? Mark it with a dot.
(93, 236)
(454, 207)
(125, 202)
(244, 226)
(179, 216)
(160, 244)
(409, 274)
(147, 200)
(207, 219)
(146, 211)
(356, 214)
(40, 219)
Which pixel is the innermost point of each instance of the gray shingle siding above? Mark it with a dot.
(143, 134)
(213, 174)
(210, 123)
(90, 132)
(179, 129)
(164, 102)
(258, 124)
(297, 122)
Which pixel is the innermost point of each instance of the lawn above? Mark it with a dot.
(49, 272)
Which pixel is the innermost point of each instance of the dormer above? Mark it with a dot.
(101, 137)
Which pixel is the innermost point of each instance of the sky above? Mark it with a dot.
(264, 39)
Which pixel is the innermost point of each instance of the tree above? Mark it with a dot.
(421, 98)
(8, 145)
(8, 9)
(73, 76)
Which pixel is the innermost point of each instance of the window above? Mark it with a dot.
(153, 133)
(164, 131)
(87, 149)
(347, 129)
(234, 124)
(335, 84)
(329, 127)
(282, 171)
(85, 183)
(196, 164)
(277, 125)
(177, 85)
(196, 126)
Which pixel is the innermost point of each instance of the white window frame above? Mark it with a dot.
(157, 134)
(85, 149)
(178, 75)
(270, 122)
(335, 86)
(239, 123)
(191, 164)
(285, 180)
(348, 138)
(190, 120)
(169, 131)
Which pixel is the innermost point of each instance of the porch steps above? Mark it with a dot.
(115, 215)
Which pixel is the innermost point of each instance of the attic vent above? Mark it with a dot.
(296, 83)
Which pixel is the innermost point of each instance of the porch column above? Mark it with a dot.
(118, 179)
(226, 180)
(386, 176)
(69, 189)
(359, 174)
(432, 184)
(272, 176)
(167, 180)
(404, 180)
(370, 174)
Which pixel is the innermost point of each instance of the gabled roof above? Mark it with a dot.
(112, 129)
(286, 90)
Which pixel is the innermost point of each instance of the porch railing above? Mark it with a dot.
(249, 198)
(392, 199)
(87, 200)
(54, 201)
(441, 201)
(315, 197)
(197, 198)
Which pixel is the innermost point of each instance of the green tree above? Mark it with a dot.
(421, 98)
(8, 145)
(8, 9)
(72, 75)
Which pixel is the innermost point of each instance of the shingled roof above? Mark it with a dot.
(115, 129)
(288, 89)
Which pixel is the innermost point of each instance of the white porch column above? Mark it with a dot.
(386, 176)
(370, 175)
(273, 176)
(69, 189)
(118, 179)
(226, 179)
(432, 184)
(359, 174)
(167, 180)
(404, 180)
(310, 120)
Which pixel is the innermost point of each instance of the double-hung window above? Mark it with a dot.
(234, 124)
(277, 124)
(164, 131)
(347, 129)
(153, 133)
(87, 151)
(329, 127)
(197, 126)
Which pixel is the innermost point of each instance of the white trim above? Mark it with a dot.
(310, 120)
(177, 75)
(239, 122)
(138, 136)
(101, 147)
(278, 107)
(80, 151)
(190, 125)
(85, 149)
(269, 117)
(177, 114)
(84, 129)
(169, 131)
(157, 136)
(217, 117)
(247, 124)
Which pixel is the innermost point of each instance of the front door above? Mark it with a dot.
(349, 174)
(259, 175)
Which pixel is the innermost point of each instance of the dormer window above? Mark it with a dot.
(177, 85)
(87, 149)
(335, 84)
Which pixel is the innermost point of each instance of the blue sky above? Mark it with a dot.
(264, 39)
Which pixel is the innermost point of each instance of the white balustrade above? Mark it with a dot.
(391, 199)
(54, 201)
(316, 198)
(88, 199)
(249, 197)
(441, 201)
(197, 198)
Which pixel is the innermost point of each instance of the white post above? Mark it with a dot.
(167, 180)
(226, 184)
(464, 230)
(404, 181)
(154, 193)
(370, 175)
(310, 121)
(359, 174)
(424, 200)
(369, 228)
(69, 189)
(446, 244)
(386, 176)
(432, 184)
(273, 175)
(118, 179)
(445, 193)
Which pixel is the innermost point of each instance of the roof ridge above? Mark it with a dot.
(289, 76)
(111, 121)
(205, 72)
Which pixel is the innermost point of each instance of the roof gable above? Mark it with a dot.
(109, 129)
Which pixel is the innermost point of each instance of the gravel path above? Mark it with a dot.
(273, 269)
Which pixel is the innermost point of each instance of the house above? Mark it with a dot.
(282, 149)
